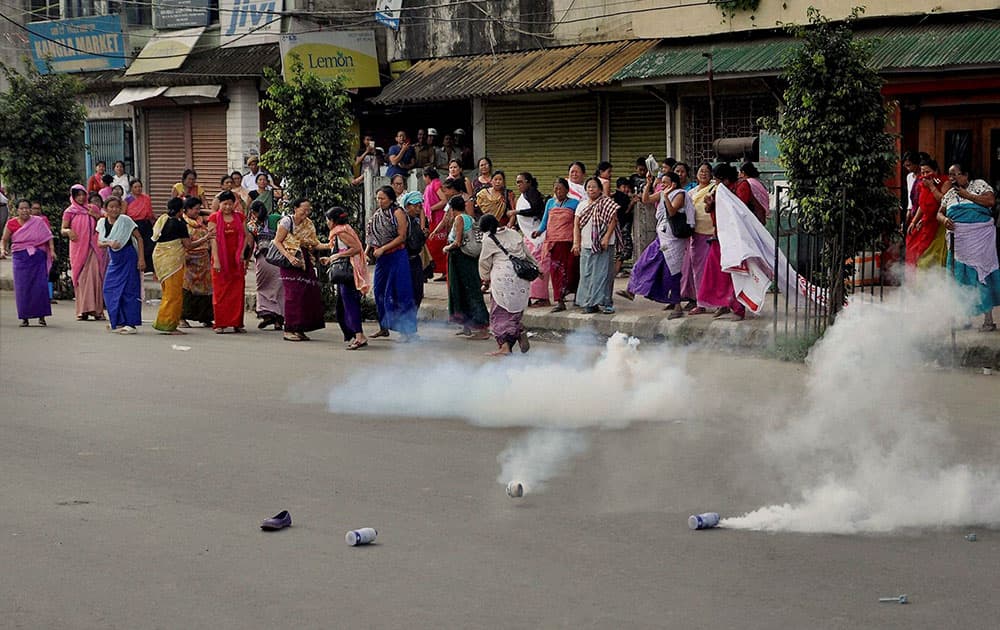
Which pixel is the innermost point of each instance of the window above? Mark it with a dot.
(957, 147)
(81, 8)
(735, 117)
(44, 10)
(135, 11)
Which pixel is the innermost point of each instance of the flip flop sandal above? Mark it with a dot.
(381, 333)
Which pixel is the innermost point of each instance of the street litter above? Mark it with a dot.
(362, 536)
(899, 599)
(281, 520)
(971, 536)
(987, 371)
(181, 348)
(708, 520)
(515, 489)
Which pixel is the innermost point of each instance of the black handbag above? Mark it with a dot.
(274, 256)
(679, 226)
(341, 271)
(523, 267)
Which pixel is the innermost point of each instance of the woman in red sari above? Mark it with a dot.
(229, 264)
(923, 247)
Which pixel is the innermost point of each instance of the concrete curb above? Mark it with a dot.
(973, 349)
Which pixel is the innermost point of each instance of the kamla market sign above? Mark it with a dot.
(330, 54)
(78, 45)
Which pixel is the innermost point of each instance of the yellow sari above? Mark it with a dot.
(168, 260)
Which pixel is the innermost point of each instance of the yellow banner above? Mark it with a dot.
(329, 54)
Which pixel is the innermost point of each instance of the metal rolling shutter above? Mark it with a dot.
(542, 138)
(166, 139)
(208, 146)
(637, 125)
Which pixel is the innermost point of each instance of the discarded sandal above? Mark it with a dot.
(281, 520)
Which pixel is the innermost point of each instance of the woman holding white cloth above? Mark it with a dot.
(966, 212)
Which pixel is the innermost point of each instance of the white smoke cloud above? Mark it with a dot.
(864, 455)
(560, 396)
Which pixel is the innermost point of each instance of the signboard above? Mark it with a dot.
(180, 13)
(250, 22)
(79, 44)
(387, 13)
(329, 54)
(166, 52)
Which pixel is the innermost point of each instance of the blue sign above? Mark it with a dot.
(78, 45)
(387, 13)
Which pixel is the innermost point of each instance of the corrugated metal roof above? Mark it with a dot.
(584, 65)
(905, 47)
(215, 65)
(937, 46)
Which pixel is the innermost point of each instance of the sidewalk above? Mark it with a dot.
(648, 321)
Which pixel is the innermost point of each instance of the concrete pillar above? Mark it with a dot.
(242, 123)
(478, 128)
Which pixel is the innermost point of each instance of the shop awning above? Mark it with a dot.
(166, 51)
(563, 68)
(136, 94)
(192, 94)
(182, 95)
(903, 48)
(211, 65)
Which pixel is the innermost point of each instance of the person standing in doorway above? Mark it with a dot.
(402, 156)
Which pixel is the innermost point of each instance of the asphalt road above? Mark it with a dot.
(133, 479)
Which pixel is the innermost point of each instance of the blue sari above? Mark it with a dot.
(973, 260)
(393, 288)
(123, 288)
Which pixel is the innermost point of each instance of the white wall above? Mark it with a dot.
(242, 123)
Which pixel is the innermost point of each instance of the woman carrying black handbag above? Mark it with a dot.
(508, 288)
(349, 272)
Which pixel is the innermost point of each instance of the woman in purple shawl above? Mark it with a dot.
(30, 240)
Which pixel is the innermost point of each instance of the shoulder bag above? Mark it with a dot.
(274, 256)
(472, 244)
(341, 271)
(523, 267)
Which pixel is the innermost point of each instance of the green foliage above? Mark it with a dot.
(833, 142)
(42, 127)
(310, 139)
(42, 132)
(729, 8)
(310, 143)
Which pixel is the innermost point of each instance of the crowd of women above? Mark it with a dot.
(958, 205)
(472, 233)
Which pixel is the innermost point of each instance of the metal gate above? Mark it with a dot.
(109, 140)
(824, 270)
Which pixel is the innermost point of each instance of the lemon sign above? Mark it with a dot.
(329, 54)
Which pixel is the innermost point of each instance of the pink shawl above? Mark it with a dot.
(85, 227)
(220, 238)
(32, 235)
(560, 226)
